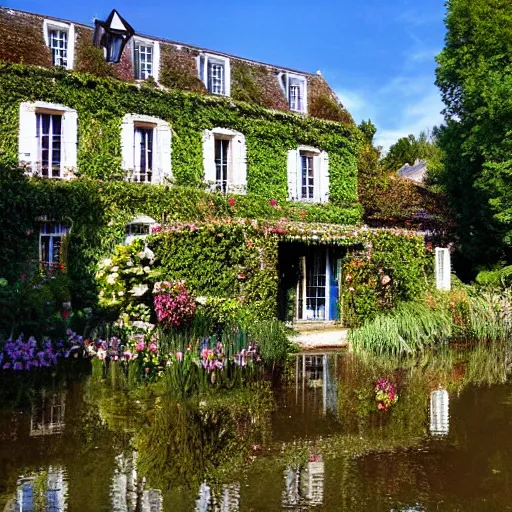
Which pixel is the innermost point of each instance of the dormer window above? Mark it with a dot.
(139, 227)
(60, 38)
(146, 59)
(215, 73)
(295, 89)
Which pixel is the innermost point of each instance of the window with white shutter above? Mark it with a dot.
(443, 268)
(225, 161)
(146, 59)
(146, 149)
(48, 139)
(308, 175)
(295, 88)
(60, 39)
(215, 72)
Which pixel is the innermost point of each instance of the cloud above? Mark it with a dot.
(421, 114)
(357, 103)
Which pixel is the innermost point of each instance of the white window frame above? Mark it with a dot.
(321, 175)
(140, 220)
(285, 82)
(140, 41)
(203, 61)
(162, 139)
(28, 147)
(237, 166)
(49, 25)
(58, 233)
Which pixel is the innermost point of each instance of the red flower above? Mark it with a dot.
(231, 202)
(273, 203)
(64, 314)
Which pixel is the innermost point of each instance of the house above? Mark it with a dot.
(415, 172)
(176, 136)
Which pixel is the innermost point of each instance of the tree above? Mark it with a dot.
(474, 75)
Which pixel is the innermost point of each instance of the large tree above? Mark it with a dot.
(474, 75)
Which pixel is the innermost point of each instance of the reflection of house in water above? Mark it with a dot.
(127, 493)
(304, 486)
(313, 375)
(48, 417)
(46, 491)
(228, 501)
(439, 412)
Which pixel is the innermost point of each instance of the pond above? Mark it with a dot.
(315, 439)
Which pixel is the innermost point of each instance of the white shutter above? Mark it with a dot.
(443, 269)
(69, 141)
(292, 172)
(28, 144)
(209, 157)
(323, 175)
(163, 145)
(239, 163)
(439, 412)
(127, 143)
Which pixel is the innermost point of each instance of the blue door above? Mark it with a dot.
(334, 289)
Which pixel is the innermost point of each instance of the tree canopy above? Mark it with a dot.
(474, 75)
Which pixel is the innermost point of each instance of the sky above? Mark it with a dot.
(377, 55)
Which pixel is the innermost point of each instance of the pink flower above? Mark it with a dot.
(179, 356)
(231, 202)
(140, 346)
(152, 347)
(273, 203)
(204, 353)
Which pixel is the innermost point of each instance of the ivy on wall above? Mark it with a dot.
(258, 84)
(178, 69)
(391, 268)
(102, 103)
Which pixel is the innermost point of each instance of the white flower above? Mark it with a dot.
(106, 262)
(121, 293)
(147, 269)
(114, 269)
(129, 263)
(111, 279)
(201, 300)
(139, 290)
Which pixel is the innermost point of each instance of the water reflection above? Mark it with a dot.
(43, 491)
(227, 501)
(316, 377)
(47, 416)
(304, 486)
(439, 412)
(317, 441)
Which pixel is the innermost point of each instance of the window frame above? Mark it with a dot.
(69, 28)
(321, 178)
(285, 82)
(236, 182)
(61, 233)
(203, 67)
(155, 64)
(140, 220)
(29, 144)
(161, 150)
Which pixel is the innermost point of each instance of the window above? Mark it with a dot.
(50, 245)
(222, 157)
(308, 175)
(146, 56)
(60, 38)
(143, 156)
(47, 139)
(140, 227)
(225, 161)
(146, 149)
(215, 73)
(295, 89)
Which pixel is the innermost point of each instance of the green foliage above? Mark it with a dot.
(101, 104)
(179, 70)
(394, 269)
(474, 76)
(125, 282)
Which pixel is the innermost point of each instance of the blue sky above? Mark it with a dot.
(377, 55)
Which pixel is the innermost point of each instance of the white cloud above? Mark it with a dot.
(356, 103)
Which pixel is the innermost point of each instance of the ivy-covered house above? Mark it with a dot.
(245, 172)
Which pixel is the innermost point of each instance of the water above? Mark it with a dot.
(316, 441)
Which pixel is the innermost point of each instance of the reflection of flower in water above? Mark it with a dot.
(385, 394)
